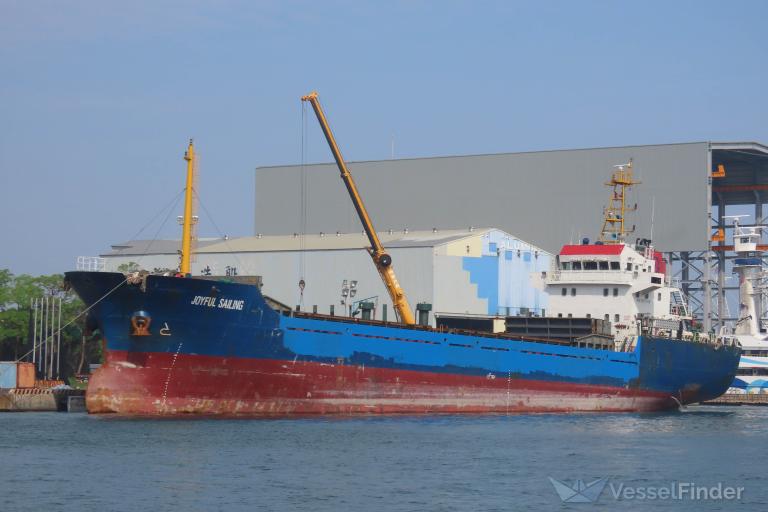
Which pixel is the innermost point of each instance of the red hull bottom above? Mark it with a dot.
(162, 384)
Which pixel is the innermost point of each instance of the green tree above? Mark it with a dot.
(131, 266)
(5, 280)
(16, 295)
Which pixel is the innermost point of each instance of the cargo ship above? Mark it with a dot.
(176, 345)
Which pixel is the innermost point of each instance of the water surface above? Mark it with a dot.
(76, 462)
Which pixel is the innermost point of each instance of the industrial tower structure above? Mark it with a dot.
(738, 182)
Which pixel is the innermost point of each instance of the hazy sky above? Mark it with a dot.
(98, 99)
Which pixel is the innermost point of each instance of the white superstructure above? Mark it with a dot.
(620, 283)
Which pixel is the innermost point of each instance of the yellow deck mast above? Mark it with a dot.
(381, 259)
(189, 220)
(614, 215)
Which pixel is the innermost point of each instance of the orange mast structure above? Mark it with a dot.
(189, 220)
(614, 215)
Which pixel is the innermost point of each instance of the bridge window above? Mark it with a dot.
(603, 265)
(605, 292)
(615, 265)
(573, 292)
(615, 292)
(576, 265)
(565, 292)
(629, 266)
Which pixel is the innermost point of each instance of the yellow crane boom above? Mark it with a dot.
(381, 259)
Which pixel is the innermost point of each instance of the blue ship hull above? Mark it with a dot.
(177, 346)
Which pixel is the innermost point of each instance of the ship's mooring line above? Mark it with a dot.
(680, 406)
(71, 321)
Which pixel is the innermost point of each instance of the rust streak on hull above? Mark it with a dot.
(217, 386)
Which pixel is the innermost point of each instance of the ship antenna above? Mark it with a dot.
(189, 220)
(614, 231)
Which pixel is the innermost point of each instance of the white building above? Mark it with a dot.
(472, 271)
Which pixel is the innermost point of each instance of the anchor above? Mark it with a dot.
(140, 322)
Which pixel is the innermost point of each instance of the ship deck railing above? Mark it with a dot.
(691, 337)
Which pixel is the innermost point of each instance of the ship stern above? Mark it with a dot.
(689, 371)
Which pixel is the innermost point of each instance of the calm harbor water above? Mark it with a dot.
(75, 462)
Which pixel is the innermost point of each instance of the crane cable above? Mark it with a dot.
(303, 204)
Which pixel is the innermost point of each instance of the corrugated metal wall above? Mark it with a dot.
(546, 198)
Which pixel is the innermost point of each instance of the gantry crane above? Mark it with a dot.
(381, 259)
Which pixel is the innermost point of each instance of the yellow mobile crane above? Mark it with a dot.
(381, 259)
